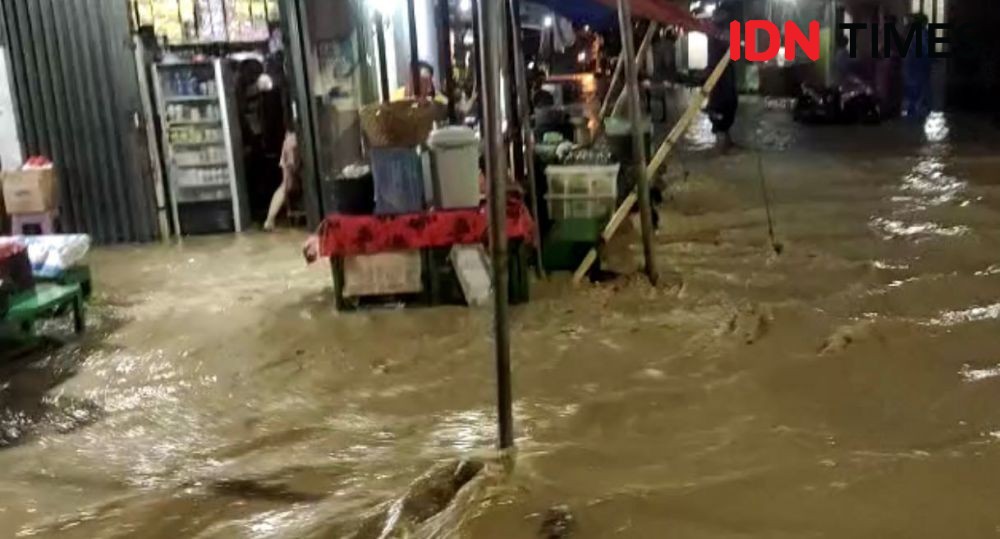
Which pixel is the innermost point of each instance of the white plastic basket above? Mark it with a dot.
(582, 191)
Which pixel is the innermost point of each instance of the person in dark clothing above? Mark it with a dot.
(724, 100)
(917, 73)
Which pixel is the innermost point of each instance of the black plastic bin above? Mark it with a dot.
(349, 196)
(15, 268)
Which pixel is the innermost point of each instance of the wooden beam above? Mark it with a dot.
(659, 159)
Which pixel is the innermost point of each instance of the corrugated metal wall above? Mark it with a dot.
(76, 92)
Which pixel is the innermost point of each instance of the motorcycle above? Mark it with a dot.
(850, 103)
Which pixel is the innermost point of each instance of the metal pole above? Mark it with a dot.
(444, 58)
(411, 12)
(638, 140)
(489, 35)
(520, 75)
(477, 53)
(513, 114)
(383, 69)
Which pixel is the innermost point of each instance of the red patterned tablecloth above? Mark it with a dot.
(347, 235)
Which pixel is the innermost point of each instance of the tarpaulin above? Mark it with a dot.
(582, 12)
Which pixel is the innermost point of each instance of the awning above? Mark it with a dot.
(665, 12)
(603, 13)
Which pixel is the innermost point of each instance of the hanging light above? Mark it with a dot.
(548, 21)
(465, 6)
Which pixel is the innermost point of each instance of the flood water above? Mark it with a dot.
(848, 387)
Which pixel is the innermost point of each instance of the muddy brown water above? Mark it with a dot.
(848, 388)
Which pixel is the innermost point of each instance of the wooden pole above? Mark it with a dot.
(490, 38)
(659, 159)
(638, 137)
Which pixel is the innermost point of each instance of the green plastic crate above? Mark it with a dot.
(584, 230)
(564, 255)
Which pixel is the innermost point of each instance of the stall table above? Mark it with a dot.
(433, 233)
(46, 300)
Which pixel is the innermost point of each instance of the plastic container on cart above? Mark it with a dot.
(398, 178)
(581, 191)
(455, 165)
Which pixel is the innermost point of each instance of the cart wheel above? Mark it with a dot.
(79, 315)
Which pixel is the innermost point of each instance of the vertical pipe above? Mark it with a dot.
(489, 37)
(638, 140)
(520, 75)
(383, 69)
(305, 115)
(444, 58)
(411, 15)
(513, 116)
(477, 53)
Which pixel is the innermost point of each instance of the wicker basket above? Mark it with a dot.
(399, 123)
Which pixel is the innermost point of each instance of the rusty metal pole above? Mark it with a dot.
(489, 35)
(638, 139)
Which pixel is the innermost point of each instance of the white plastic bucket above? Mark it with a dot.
(455, 159)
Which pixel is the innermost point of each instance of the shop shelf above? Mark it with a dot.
(218, 164)
(181, 99)
(172, 123)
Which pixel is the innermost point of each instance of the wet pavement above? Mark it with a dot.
(849, 387)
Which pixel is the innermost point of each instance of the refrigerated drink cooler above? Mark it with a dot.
(202, 147)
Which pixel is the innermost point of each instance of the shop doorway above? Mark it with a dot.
(223, 107)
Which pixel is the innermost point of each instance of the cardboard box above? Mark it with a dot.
(29, 191)
(383, 274)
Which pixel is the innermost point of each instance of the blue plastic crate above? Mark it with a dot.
(399, 181)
